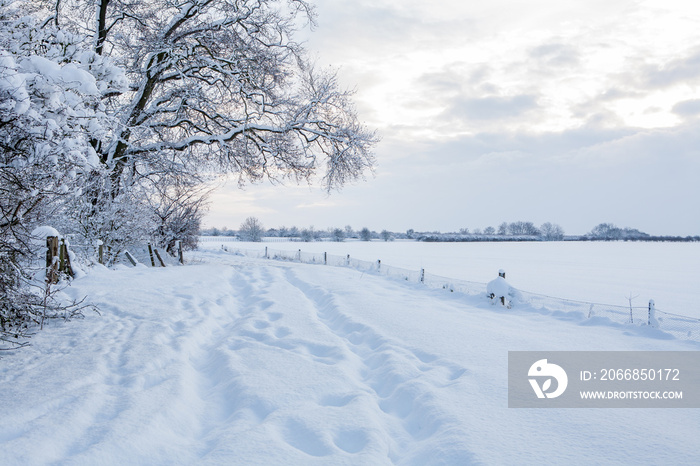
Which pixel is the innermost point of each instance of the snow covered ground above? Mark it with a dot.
(603, 272)
(232, 360)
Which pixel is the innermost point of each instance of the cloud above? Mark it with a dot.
(490, 107)
(687, 107)
(556, 55)
(500, 111)
(384, 28)
(685, 70)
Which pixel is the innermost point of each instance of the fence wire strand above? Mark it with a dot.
(680, 326)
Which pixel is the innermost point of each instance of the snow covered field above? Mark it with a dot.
(602, 272)
(233, 360)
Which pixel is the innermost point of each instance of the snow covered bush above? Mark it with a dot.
(499, 290)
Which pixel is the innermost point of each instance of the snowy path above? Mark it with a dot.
(239, 361)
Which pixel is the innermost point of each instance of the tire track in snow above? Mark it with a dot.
(404, 380)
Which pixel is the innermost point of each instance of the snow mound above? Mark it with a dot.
(499, 288)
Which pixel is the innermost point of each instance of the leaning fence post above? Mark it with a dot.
(150, 253)
(131, 258)
(160, 259)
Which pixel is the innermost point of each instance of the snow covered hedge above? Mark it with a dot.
(51, 87)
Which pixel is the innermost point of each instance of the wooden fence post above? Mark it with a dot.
(379, 265)
(422, 275)
(160, 259)
(181, 258)
(52, 260)
(65, 259)
(131, 258)
(101, 254)
(266, 257)
(150, 253)
(325, 258)
(347, 261)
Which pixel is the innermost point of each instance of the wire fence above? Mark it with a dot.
(682, 327)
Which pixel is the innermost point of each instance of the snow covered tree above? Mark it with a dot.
(523, 229)
(552, 232)
(251, 230)
(503, 228)
(606, 231)
(365, 234)
(178, 209)
(218, 86)
(338, 234)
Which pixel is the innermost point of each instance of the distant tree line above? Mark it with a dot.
(527, 231)
(252, 230)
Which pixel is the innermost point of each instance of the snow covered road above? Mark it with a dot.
(242, 361)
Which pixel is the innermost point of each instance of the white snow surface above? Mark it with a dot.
(246, 361)
(595, 271)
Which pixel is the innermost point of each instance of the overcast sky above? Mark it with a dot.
(564, 111)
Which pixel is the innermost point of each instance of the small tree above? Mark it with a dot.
(523, 229)
(308, 234)
(606, 231)
(386, 235)
(552, 232)
(251, 230)
(338, 235)
(179, 209)
(365, 234)
(489, 231)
